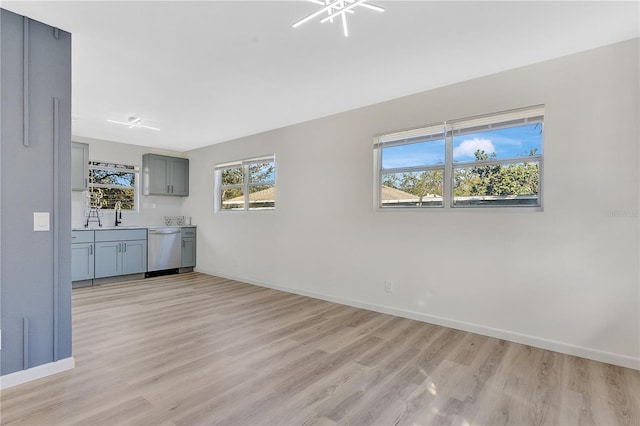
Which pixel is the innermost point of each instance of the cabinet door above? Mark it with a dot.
(156, 175)
(179, 176)
(79, 166)
(134, 257)
(188, 252)
(108, 259)
(81, 261)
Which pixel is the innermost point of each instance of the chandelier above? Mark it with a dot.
(337, 9)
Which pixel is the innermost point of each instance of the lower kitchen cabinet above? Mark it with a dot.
(108, 259)
(106, 253)
(134, 257)
(124, 252)
(188, 252)
(188, 247)
(82, 255)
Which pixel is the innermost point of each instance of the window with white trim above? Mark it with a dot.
(493, 160)
(246, 185)
(112, 182)
(412, 167)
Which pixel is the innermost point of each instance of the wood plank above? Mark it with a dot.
(196, 349)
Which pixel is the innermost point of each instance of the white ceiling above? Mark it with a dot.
(210, 71)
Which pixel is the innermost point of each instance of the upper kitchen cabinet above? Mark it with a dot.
(79, 166)
(163, 175)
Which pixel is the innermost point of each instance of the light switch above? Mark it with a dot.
(40, 221)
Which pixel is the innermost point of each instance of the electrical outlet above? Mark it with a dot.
(388, 286)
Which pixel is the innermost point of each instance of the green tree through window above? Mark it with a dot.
(248, 185)
(116, 182)
(494, 160)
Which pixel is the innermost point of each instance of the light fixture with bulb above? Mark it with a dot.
(133, 122)
(337, 9)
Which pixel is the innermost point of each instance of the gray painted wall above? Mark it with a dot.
(35, 277)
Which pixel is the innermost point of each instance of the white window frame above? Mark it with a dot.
(130, 169)
(246, 184)
(505, 119)
(408, 137)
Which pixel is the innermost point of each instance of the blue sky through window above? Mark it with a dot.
(506, 143)
(511, 142)
(428, 153)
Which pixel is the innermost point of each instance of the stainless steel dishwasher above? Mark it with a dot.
(164, 249)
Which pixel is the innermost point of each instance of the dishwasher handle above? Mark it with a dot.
(164, 231)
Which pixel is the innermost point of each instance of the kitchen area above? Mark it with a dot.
(127, 220)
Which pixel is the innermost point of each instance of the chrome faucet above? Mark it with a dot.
(118, 209)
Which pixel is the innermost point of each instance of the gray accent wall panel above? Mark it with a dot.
(35, 277)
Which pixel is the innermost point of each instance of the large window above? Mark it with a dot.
(111, 182)
(246, 185)
(493, 160)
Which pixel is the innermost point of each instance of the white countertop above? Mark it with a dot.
(97, 228)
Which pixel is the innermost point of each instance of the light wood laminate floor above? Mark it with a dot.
(195, 349)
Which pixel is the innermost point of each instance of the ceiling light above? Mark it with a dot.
(133, 122)
(335, 9)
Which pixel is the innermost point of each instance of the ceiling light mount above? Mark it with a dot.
(133, 122)
(337, 9)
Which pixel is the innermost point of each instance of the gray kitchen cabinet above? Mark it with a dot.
(179, 168)
(108, 259)
(155, 175)
(134, 257)
(79, 166)
(188, 247)
(120, 252)
(82, 255)
(163, 175)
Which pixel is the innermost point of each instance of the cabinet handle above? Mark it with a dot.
(90, 249)
(119, 247)
(168, 189)
(172, 189)
(125, 247)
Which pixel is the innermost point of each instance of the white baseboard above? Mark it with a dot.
(34, 373)
(512, 336)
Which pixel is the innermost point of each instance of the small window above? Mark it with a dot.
(412, 168)
(246, 185)
(493, 160)
(112, 183)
